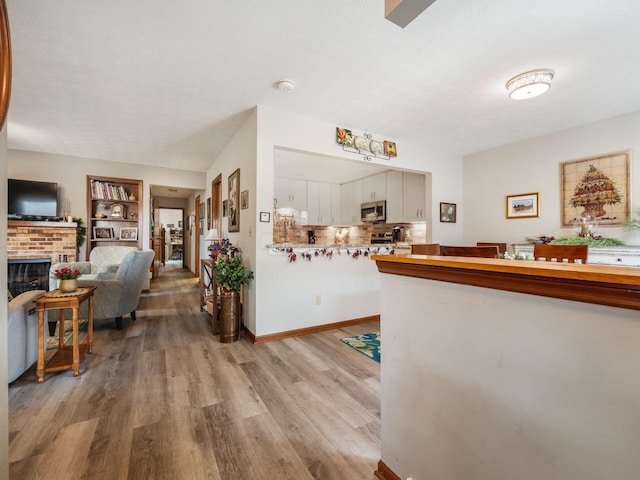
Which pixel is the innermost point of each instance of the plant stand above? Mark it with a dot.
(229, 316)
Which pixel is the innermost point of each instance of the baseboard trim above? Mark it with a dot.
(385, 473)
(308, 330)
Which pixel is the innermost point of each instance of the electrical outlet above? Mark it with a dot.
(318, 299)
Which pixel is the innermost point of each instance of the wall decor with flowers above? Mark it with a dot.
(365, 145)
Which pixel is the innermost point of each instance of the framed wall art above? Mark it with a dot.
(265, 216)
(244, 200)
(524, 205)
(103, 233)
(225, 208)
(128, 233)
(596, 187)
(448, 212)
(234, 201)
(208, 213)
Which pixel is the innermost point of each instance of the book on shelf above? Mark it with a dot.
(108, 191)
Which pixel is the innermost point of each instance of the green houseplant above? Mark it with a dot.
(230, 274)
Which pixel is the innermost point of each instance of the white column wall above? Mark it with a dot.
(488, 384)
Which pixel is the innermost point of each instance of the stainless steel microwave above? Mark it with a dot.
(371, 212)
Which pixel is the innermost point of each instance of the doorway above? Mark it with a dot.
(172, 228)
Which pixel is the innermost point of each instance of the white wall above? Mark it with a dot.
(4, 392)
(534, 166)
(285, 293)
(240, 153)
(485, 384)
(71, 175)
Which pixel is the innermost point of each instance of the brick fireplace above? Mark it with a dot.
(31, 249)
(41, 239)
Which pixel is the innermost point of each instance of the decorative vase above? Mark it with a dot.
(229, 315)
(68, 286)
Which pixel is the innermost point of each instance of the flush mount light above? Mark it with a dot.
(529, 84)
(286, 86)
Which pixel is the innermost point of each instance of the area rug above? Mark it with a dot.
(52, 342)
(367, 344)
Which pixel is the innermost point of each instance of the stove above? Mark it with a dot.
(381, 238)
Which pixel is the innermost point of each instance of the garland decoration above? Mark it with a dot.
(353, 252)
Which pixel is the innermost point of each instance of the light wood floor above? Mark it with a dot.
(163, 399)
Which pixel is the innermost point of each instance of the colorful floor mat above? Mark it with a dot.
(367, 344)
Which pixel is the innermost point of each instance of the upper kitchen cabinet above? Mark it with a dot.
(319, 203)
(414, 198)
(336, 204)
(406, 198)
(395, 201)
(290, 193)
(374, 188)
(351, 199)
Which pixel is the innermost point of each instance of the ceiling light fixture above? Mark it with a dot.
(529, 84)
(286, 86)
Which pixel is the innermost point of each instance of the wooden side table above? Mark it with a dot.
(65, 357)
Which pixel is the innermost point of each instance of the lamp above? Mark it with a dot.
(529, 84)
(212, 235)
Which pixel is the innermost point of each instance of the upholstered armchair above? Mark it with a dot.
(22, 333)
(101, 260)
(118, 293)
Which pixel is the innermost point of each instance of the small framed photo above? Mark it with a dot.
(128, 233)
(448, 212)
(265, 217)
(225, 208)
(390, 148)
(244, 200)
(525, 205)
(103, 233)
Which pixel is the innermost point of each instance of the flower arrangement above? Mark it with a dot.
(230, 272)
(222, 247)
(66, 273)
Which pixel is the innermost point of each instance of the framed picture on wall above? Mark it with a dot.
(234, 201)
(448, 212)
(524, 205)
(208, 213)
(225, 208)
(244, 200)
(596, 188)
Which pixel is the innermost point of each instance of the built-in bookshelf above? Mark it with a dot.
(114, 209)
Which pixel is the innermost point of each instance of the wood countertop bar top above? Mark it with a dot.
(599, 284)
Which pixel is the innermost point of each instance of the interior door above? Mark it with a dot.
(196, 267)
(157, 240)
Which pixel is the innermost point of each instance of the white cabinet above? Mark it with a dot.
(291, 193)
(374, 188)
(406, 197)
(336, 202)
(319, 203)
(395, 196)
(351, 199)
(414, 198)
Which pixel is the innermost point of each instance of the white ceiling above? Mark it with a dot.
(165, 82)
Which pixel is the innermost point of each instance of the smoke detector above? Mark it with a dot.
(286, 86)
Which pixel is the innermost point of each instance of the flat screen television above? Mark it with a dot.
(30, 198)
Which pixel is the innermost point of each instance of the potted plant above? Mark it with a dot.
(230, 273)
(68, 279)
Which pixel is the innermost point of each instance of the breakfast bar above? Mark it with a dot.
(519, 369)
